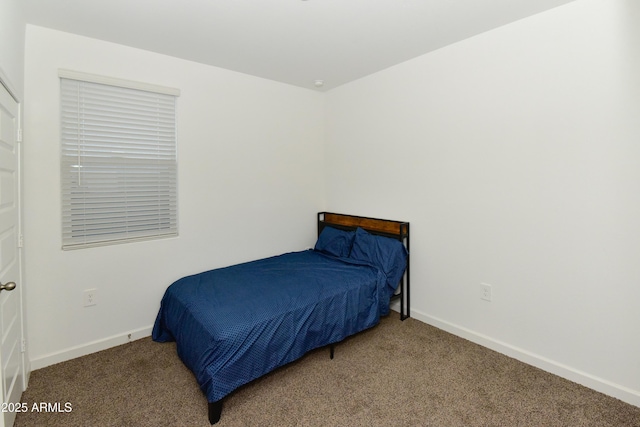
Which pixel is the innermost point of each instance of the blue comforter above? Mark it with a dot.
(235, 324)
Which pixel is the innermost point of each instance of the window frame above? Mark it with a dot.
(118, 160)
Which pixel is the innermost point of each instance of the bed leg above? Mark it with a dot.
(332, 348)
(215, 410)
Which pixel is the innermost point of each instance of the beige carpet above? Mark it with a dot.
(398, 373)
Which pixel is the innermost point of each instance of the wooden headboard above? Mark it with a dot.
(384, 227)
(390, 228)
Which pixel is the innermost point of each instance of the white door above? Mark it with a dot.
(11, 360)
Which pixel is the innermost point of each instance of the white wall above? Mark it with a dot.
(250, 183)
(12, 30)
(515, 155)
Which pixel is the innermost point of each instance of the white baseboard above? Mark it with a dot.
(92, 347)
(567, 372)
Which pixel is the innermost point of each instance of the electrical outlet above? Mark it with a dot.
(485, 291)
(90, 297)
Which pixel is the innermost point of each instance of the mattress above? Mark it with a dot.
(235, 324)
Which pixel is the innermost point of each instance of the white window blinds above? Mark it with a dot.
(119, 163)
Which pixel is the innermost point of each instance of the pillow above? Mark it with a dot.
(335, 242)
(386, 253)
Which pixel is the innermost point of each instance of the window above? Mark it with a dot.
(118, 162)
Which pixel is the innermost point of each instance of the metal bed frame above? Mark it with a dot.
(388, 228)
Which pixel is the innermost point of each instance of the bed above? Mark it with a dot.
(232, 325)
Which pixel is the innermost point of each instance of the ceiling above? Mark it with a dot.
(291, 41)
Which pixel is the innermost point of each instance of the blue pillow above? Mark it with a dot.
(386, 253)
(335, 242)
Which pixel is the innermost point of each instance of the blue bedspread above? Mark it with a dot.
(235, 324)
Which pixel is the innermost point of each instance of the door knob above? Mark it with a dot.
(9, 286)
